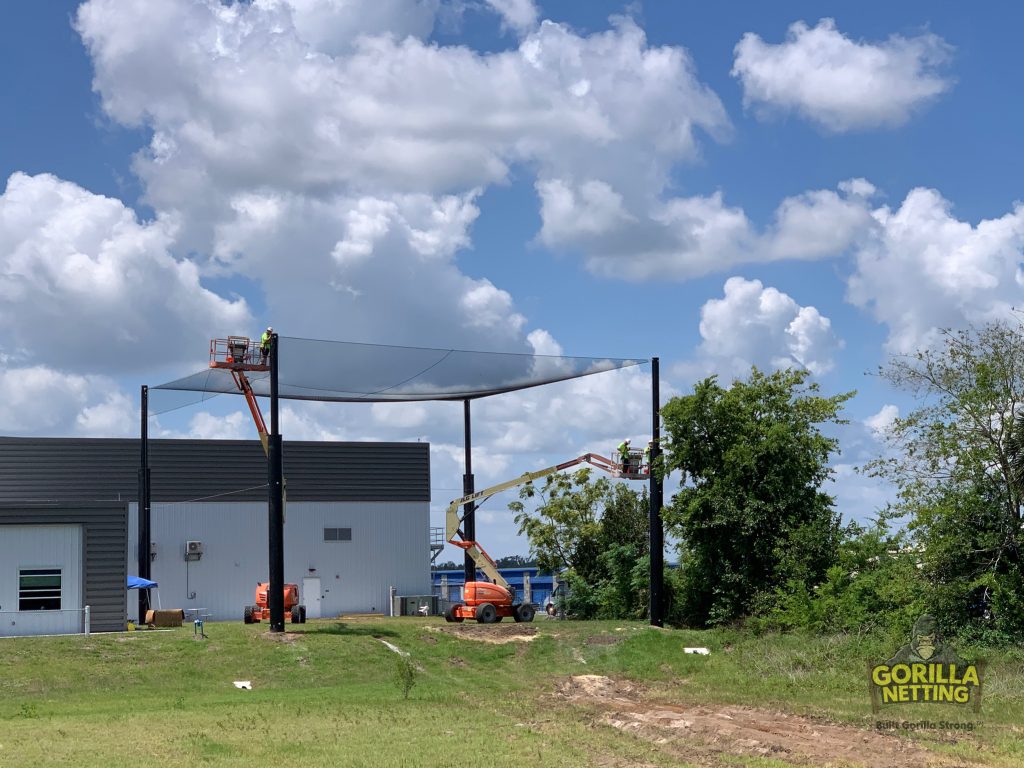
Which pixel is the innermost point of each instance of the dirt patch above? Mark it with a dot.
(457, 661)
(279, 637)
(705, 734)
(603, 640)
(490, 633)
(429, 639)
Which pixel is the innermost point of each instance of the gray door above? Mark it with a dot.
(311, 596)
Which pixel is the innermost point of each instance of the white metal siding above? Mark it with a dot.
(41, 546)
(389, 547)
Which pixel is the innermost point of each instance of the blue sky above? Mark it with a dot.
(512, 176)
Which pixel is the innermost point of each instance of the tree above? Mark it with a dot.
(752, 516)
(953, 463)
(596, 532)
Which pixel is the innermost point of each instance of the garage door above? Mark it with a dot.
(40, 579)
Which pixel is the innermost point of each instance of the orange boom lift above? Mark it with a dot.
(252, 614)
(240, 354)
(490, 602)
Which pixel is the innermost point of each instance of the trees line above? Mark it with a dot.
(762, 544)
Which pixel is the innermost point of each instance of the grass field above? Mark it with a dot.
(325, 695)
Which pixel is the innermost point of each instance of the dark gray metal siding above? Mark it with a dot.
(59, 469)
(105, 559)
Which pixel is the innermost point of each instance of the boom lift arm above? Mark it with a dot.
(238, 354)
(254, 407)
(483, 561)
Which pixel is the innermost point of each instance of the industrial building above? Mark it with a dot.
(357, 524)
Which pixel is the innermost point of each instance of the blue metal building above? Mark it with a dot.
(541, 584)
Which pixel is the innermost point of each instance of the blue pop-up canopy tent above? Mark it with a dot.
(137, 582)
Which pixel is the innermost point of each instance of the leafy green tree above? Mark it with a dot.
(953, 462)
(595, 531)
(752, 516)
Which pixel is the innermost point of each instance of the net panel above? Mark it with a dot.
(341, 371)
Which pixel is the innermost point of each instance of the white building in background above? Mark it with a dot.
(357, 522)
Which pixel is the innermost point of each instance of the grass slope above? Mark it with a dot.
(326, 696)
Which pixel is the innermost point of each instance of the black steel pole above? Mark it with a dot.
(144, 507)
(656, 500)
(275, 480)
(469, 521)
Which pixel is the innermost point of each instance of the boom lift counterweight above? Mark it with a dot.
(487, 602)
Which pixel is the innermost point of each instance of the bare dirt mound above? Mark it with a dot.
(704, 734)
(490, 633)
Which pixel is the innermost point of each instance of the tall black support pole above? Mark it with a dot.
(656, 500)
(144, 506)
(469, 521)
(275, 481)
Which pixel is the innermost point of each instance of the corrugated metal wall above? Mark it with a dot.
(61, 469)
(105, 554)
(41, 546)
(380, 490)
(388, 548)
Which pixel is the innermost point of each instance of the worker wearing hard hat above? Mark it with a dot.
(624, 454)
(265, 345)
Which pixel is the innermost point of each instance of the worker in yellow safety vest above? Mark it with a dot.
(624, 454)
(265, 345)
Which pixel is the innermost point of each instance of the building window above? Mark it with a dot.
(39, 589)
(337, 534)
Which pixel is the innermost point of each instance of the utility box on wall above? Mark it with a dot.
(416, 605)
(193, 550)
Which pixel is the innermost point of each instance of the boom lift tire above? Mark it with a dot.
(523, 613)
(247, 614)
(296, 615)
(450, 617)
(486, 613)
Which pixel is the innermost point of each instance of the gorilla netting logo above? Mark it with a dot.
(926, 670)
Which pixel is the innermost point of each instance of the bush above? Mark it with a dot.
(405, 675)
(875, 587)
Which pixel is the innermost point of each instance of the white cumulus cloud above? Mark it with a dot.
(685, 237)
(84, 285)
(757, 325)
(518, 15)
(921, 268)
(333, 155)
(880, 422)
(40, 400)
(839, 83)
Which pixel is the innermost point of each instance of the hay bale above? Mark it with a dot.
(172, 617)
